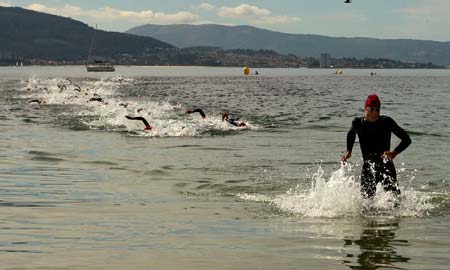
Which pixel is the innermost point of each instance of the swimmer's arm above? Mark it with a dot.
(351, 136)
(147, 125)
(405, 140)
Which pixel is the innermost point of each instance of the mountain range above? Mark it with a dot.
(27, 34)
(40, 38)
(248, 37)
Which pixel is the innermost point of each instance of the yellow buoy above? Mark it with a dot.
(246, 70)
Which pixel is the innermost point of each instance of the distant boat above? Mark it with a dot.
(100, 67)
(94, 65)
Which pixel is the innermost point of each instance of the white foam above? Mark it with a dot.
(166, 119)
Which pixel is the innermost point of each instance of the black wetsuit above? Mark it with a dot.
(375, 139)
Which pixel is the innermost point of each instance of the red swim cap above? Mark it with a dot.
(373, 101)
(148, 127)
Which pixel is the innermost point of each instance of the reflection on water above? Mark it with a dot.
(377, 246)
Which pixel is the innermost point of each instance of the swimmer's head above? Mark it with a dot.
(224, 116)
(373, 101)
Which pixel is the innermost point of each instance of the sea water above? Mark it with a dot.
(82, 187)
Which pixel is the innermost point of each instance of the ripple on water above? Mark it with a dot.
(45, 156)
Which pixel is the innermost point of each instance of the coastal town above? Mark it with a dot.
(213, 56)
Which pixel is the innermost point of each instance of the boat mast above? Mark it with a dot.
(92, 44)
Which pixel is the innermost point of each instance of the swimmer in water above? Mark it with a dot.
(147, 125)
(233, 121)
(35, 101)
(77, 88)
(99, 99)
(200, 111)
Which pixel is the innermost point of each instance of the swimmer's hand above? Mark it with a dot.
(390, 155)
(346, 156)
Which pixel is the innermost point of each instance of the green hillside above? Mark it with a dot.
(26, 34)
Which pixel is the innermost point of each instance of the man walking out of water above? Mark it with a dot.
(374, 133)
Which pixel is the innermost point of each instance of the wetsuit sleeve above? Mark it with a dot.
(351, 135)
(405, 140)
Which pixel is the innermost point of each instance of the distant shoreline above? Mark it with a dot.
(265, 67)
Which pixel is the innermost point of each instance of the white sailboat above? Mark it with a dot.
(94, 65)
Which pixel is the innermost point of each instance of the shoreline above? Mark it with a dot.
(204, 66)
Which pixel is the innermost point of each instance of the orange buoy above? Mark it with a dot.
(246, 70)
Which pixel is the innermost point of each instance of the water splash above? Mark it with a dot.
(98, 99)
(339, 195)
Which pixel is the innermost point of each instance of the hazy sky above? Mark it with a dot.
(417, 19)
